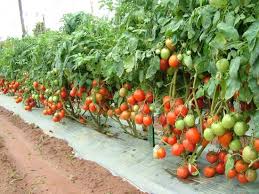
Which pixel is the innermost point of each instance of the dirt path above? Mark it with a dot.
(32, 162)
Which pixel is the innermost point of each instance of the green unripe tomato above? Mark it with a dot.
(179, 124)
(228, 121)
(208, 134)
(158, 51)
(235, 145)
(222, 65)
(218, 129)
(240, 128)
(189, 120)
(165, 53)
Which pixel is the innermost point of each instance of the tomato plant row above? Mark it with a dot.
(188, 68)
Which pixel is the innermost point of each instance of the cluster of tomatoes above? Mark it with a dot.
(136, 106)
(98, 97)
(169, 61)
(243, 171)
(180, 133)
(231, 135)
(9, 87)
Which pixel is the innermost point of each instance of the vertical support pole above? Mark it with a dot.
(92, 8)
(21, 18)
(151, 133)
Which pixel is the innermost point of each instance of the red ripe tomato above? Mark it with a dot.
(73, 92)
(178, 101)
(131, 100)
(165, 139)
(166, 102)
(172, 140)
(222, 154)
(164, 64)
(166, 99)
(125, 115)
(45, 112)
(256, 165)
(241, 166)
(173, 61)
(55, 119)
(149, 97)
(193, 135)
(256, 144)
(49, 111)
(188, 146)
(63, 94)
(85, 107)
(139, 95)
(88, 101)
(166, 110)
(161, 153)
(171, 118)
(232, 173)
(147, 120)
(220, 168)
(127, 86)
(92, 107)
(117, 111)
(59, 105)
(206, 79)
(94, 83)
(103, 91)
(139, 118)
(53, 107)
(225, 139)
(145, 109)
(124, 106)
(242, 178)
(212, 157)
(181, 110)
(209, 171)
(177, 131)
(35, 85)
(177, 149)
(110, 112)
(182, 172)
(193, 169)
(162, 120)
(200, 102)
(62, 113)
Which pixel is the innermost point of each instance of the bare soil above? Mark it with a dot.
(32, 162)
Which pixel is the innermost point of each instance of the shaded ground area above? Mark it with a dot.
(32, 162)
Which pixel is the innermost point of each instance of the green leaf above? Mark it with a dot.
(229, 164)
(129, 63)
(218, 42)
(216, 17)
(245, 93)
(218, 3)
(251, 34)
(118, 68)
(234, 67)
(233, 85)
(212, 86)
(254, 123)
(255, 55)
(229, 31)
(153, 67)
(199, 93)
(141, 75)
(132, 44)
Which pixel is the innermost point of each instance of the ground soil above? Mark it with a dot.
(32, 162)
